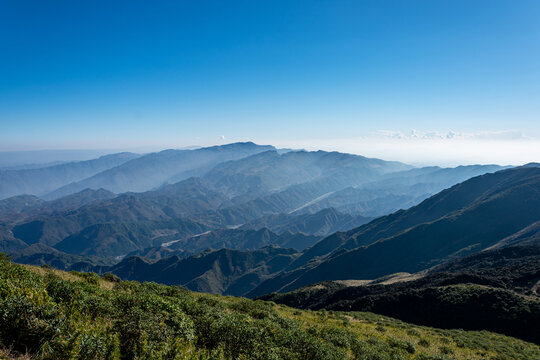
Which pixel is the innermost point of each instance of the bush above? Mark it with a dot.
(91, 278)
(424, 342)
(52, 318)
(339, 337)
(380, 328)
(446, 350)
(402, 344)
(111, 277)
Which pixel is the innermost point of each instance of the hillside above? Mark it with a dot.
(111, 240)
(497, 290)
(190, 216)
(464, 219)
(40, 181)
(271, 172)
(241, 239)
(224, 271)
(210, 201)
(324, 222)
(53, 314)
(241, 185)
(153, 170)
(18, 208)
(170, 203)
(397, 190)
(40, 254)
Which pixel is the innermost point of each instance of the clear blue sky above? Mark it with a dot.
(88, 74)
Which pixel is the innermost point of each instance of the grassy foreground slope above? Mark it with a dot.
(49, 314)
(495, 290)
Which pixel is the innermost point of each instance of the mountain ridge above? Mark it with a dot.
(408, 248)
(42, 180)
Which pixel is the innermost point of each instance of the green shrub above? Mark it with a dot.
(256, 309)
(380, 328)
(424, 342)
(402, 344)
(111, 277)
(446, 350)
(339, 337)
(52, 318)
(445, 340)
(89, 277)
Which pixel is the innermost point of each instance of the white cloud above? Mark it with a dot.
(448, 148)
(428, 135)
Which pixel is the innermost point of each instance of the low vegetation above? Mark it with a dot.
(495, 290)
(50, 314)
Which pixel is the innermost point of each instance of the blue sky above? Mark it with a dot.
(340, 75)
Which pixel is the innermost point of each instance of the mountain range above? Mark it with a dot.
(412, 240)
(41, 181)
(310, 229)
(239, 187)
(224, 271)
(150, 171)
(466, 218)
(496, 289)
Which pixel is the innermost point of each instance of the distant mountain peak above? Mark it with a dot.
(532, 164)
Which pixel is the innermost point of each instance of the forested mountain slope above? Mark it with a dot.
(497, 290)
(466, 218)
